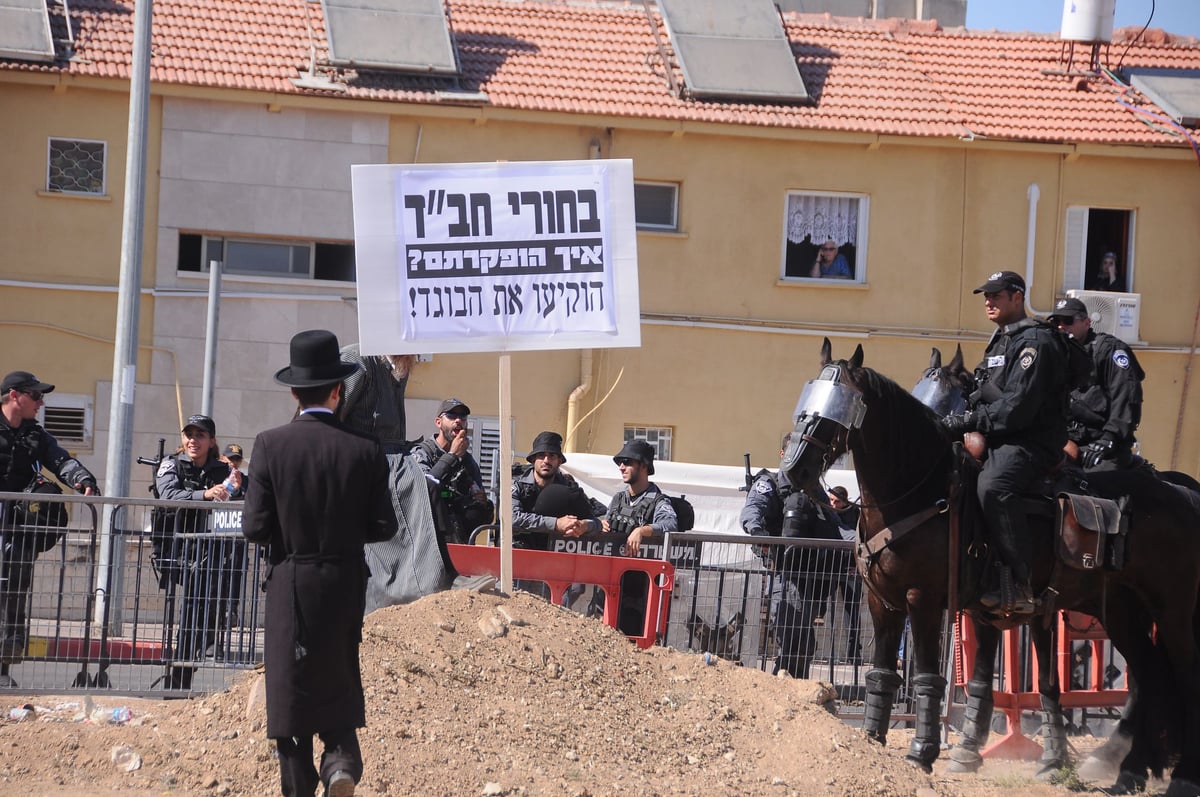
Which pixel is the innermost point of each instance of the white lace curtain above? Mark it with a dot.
(822, 217)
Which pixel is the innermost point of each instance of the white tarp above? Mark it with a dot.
(711, 489)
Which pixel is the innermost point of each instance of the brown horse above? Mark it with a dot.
(905, 462)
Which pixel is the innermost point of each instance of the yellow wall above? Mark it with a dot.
(942, 216)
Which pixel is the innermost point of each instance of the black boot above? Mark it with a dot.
(1010, 534)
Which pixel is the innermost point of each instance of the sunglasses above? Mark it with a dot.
(625, 462)
(36, 395)
(454, 416)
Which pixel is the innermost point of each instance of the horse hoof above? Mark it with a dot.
(924, 766)
(1129, 783)
(1104, 764)
(964, 761)
(1181, 787)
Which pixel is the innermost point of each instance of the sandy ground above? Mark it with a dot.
(485, 694)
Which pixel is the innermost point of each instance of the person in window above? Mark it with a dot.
(830, 263)
(1107, 278)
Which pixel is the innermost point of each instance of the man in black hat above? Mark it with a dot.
(236, 483)
(319, 493)
(1106, 412)
(456, 494)
(640, 510)
(1019, 406)
(26, 448)
(572, 516)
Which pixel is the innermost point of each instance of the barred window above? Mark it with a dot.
(659, 437)
(75, 166)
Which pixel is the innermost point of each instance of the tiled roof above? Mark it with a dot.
(602, 59)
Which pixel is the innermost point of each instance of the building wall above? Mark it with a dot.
(726, 343)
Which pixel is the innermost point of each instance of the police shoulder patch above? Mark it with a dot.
(1121, 358)
(1027, 357)
(764, 486)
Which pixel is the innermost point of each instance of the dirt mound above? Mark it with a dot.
(484, 694)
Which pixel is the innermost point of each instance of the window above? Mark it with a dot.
(656, 206)
(825, 236)
(659, 437)
(1098, 250)
(75, 166)
(69, 418)
(268, 258)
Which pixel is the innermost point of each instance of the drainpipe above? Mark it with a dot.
(1032, 195)
(585, 387)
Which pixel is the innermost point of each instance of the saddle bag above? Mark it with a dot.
(1091, 532)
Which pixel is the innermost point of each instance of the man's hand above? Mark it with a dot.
(458, 446)
(88, 487)
(1093, 454)
(566, 524)
(960, 423)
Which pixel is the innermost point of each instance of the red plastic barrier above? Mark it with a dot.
(561, 570)
(1072, 626)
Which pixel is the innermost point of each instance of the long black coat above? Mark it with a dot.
(318, 493)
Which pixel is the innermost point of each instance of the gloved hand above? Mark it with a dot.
(960, 423)
(1093, 454)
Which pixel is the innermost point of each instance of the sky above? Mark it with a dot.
(1045, 16)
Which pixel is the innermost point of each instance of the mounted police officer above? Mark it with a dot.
(25, 448)
(1020, 407)
(774, 508)
(1103, 415)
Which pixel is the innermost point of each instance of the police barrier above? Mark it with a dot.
(179, 605)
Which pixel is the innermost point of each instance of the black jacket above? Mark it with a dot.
(1111, 406)
(24, 448)
(1022, 388)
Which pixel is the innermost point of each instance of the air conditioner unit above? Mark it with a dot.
(1115, 313)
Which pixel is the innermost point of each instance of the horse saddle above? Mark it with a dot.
(1091, 531)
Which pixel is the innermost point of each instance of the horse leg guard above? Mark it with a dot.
(1181, 787)
(1054, 738)
(977, 724)
(881, 696)
(928, 740)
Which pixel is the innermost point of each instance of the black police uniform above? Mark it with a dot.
(208, 571)
(456, 514)
(24, 451)
(1020, 407)
(798, 595)
(1105, 415)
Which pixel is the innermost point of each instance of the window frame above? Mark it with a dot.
(80, 402)
(50, 187)
(663, 444)
(652, 226)
(862, 227)
(1076, 234)
(290, 245)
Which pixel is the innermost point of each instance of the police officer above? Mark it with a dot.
(1020, 407)
(203, 568)
(530, 527)
(25, 448)
(798, 595)
(1103, 415)
(641, 509)
(456, 493)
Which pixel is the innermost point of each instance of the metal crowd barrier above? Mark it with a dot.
(142, 597)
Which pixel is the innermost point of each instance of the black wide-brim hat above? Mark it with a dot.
(546, 443)
(316, 361)
(641, 451)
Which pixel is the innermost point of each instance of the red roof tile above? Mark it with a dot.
(888, 77)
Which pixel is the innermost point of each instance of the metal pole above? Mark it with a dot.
(124, 377)
(210, 336)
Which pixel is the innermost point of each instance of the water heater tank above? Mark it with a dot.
(1088, 20)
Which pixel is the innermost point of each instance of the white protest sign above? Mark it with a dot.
(477, 257)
